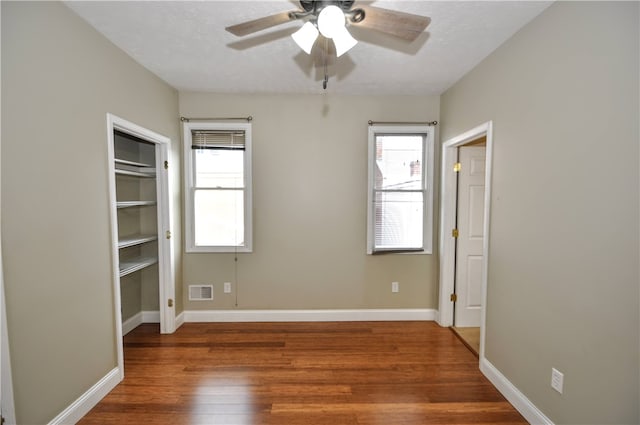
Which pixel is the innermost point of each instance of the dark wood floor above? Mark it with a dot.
(301, 373)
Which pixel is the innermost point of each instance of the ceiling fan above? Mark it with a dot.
(328, 20)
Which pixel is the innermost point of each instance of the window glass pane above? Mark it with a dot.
(398, 220)
(219, 168)
(399, 162)
(219, 217)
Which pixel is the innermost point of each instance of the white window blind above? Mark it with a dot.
(217, 139)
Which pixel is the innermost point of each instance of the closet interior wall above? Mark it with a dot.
(137, 224)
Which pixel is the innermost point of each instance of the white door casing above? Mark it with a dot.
(6, 381)
(166, 274)
(7, 408)
(447, 245)
(469, 249)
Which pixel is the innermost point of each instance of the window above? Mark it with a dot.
(400, 189)
(218, 187)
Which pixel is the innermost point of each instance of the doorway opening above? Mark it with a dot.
(140, 229)
(464, 234)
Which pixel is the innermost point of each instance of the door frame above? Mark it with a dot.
(7, 405)
(448, 201)
(165, 270)
(7, 408)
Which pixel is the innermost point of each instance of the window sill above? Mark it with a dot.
(400, 252)
(218, 249)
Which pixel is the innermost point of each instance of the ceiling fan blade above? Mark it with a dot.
(260, 24)
(406, 26)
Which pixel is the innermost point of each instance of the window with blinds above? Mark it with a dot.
(219, 187)
(400, 174)
(218, 139)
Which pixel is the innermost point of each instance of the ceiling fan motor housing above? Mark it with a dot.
(315, 6)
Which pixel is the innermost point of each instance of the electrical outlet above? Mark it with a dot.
(395, 287)
(227, 287)
(557, 380)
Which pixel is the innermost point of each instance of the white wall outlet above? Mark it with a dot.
(227, 287)
(557, 380)
(395, 287)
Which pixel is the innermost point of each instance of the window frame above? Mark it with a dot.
(190, 189)
(428, 185)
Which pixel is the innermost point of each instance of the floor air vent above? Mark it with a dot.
(200, 292)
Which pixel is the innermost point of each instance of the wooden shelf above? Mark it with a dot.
(129, 204)
(136, 173)
(134, 264)
(135, 240)
(135, 169)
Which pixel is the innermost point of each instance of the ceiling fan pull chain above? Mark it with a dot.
(324, 58)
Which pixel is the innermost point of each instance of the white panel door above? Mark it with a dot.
(469, 248)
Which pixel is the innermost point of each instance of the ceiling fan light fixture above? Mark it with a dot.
(343, 41)
(331, 21)
(305, 37)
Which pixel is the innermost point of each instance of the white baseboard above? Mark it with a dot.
(522, 404)
(89, 399)
(179, 320)
(140, 318)
(308, 315)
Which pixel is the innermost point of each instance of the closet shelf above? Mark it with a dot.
(135, 240)
(128, 204)
(134, 264)
(133, 164)
(136, 173)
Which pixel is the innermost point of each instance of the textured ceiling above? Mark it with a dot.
(185, 44)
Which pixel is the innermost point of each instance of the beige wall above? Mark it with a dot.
(59, 80)
(563, 259)
(310, 207)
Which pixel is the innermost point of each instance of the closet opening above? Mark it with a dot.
(144, 286)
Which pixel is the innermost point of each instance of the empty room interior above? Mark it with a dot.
(320, 212)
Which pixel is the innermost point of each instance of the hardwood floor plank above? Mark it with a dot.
(316, 373)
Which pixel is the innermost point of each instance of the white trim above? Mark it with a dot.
(447, 222)
(488, 126)
(131, 323)
(152, 316)
(136, 320)
(113, 216)
(179, 320)
(428, 161)
(165, 271)
(308, 315)
(76, 410)
(167, 314)
(522, 404)
(7, 404)
(189, 222)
